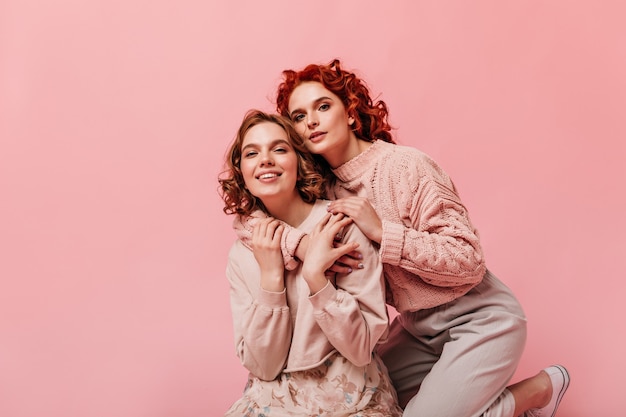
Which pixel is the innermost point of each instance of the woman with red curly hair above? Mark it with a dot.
(306, 337)
(460, 332)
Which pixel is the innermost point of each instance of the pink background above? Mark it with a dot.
(114, 119)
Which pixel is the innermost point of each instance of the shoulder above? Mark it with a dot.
(402, 153)
(409, 162)
(410, 153)
(238, 252)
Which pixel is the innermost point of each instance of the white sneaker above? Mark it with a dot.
(560, 381)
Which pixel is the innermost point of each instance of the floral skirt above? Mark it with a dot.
(336, 388)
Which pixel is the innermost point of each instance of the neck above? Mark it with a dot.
(353, 148)
(293, 212)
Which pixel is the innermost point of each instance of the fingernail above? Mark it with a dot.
(360, 265)
(349, 270)
(359, 256)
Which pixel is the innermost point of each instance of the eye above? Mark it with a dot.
(324, 107)
(249, 154)
(281, 149)
(298, 117)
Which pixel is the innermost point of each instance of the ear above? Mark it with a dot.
(350, 120)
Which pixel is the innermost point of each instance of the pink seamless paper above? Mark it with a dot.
(114, 120)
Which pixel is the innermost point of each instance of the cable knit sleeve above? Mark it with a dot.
(290, 240)
(432, 235)
(261, 319)
(353, 316)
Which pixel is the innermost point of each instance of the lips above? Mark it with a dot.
(268, 175)
(316, 136)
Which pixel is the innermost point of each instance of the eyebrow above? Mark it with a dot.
(316, 101)
(272, 144)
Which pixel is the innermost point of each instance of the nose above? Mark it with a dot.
(312, 121)
(266, 159)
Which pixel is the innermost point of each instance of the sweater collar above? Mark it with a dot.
(356, 166)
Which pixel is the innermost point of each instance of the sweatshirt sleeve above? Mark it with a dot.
(291, 238)
(261, 319)
(436, 239)
(353, 314)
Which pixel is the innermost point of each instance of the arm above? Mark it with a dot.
(352, 313)
(419, 222)
(439, 242)
(294, 244)
(261, 319)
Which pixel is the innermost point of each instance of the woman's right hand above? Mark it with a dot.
(266, 237)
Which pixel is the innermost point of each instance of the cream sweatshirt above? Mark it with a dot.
(293, 330)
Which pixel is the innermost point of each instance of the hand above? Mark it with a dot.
(344, 265)
(347, 263)
(361, 211)
(322, 253)
(266, 248)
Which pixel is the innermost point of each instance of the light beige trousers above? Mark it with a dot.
(456, 360)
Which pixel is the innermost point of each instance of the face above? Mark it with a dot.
(269, 164)
(321, 118)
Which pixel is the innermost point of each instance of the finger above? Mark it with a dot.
(346, 221)
(345, 249)
(355, 254)
(353, 206)
(340, 269)
(256, 232)
(261, 227)
(278, 233)
(337, 223)
(339, 204)
(349, 262)
(344, 209)
(322, 223)
(270, 227)
(333, 219)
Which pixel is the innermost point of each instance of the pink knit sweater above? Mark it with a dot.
(430, 251)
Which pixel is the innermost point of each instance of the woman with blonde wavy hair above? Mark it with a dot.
(307, 337)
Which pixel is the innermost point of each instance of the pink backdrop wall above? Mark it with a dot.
(114, 119)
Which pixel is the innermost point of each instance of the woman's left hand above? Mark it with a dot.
(322, 252)
(362, 213)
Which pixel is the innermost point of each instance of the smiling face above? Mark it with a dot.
(321, 118)
(269, 165)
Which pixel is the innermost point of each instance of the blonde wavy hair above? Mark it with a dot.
(237, 198)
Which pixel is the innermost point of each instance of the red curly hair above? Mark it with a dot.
(370, 117)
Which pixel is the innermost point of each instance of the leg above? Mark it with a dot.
(408, 361)
(476, 341)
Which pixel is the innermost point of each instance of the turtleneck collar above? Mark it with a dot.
(356, 166)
